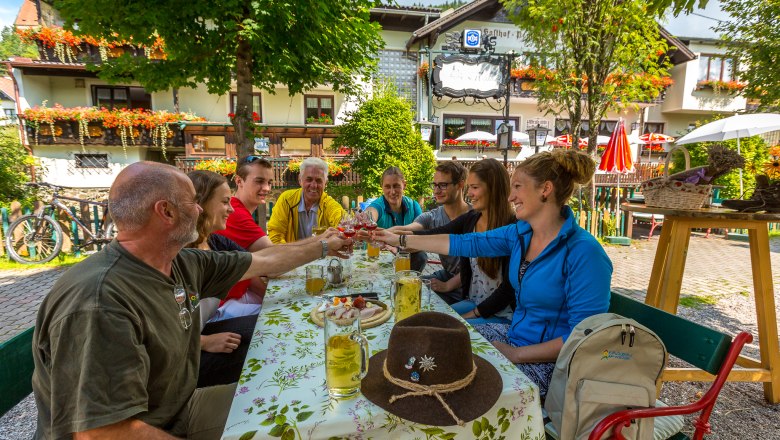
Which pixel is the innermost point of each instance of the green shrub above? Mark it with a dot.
(14, 165)
(381, 134)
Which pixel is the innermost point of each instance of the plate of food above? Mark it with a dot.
(372, 312)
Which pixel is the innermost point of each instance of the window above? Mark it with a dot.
(208, 144)
(91, 160)
(256, 108)
(10, 113)
(296, 146)
(563, 126)
(319, 109)
(457, 125)
(716, 68)
(121, 97)
(654, 127)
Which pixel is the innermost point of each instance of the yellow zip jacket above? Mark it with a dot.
(283, 224)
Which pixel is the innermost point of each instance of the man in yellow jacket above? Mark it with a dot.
(298, 211)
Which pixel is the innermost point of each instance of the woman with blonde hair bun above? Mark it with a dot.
(559, 272)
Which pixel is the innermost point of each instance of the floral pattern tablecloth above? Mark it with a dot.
(282, 391)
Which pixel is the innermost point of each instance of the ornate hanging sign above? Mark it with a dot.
(459, 76)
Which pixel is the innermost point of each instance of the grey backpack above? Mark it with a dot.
(608, 363)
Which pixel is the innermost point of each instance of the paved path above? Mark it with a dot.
(717, 270)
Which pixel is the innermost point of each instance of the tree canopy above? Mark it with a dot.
(753, 38)
(600, 55)
(258, 43)
(11, 45)
(381, 134)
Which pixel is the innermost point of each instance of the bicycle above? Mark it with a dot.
(38, 238)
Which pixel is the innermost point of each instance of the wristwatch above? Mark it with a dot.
(324, 248)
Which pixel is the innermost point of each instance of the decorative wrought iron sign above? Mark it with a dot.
(458, 76)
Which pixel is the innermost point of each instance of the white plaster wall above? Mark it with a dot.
(395, 40)
(200, 102)
(60, 167)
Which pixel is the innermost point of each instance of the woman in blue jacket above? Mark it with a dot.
(559, 272)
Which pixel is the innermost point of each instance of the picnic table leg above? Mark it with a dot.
(653, 297)
(671, 282)
(766, 318)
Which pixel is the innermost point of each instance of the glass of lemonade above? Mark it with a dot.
(372, 251)
(317, 230)
(315, 279)
(346, 353)
(403, 261)
(407, 289)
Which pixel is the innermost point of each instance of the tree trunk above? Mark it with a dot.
(242, 120)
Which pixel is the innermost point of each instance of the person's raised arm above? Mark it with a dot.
(439, 244)
(411, 227)
(260, 244)
(130, 428)
(276, 260)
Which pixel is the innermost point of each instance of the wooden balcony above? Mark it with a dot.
(67, 133)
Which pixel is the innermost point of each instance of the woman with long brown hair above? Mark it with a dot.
(486, 298)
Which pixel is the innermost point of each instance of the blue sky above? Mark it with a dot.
(695, 25)
(8, 11)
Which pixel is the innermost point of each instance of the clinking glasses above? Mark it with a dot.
(180, 296)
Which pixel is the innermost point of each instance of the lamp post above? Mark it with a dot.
(504, 138)
(537, 136)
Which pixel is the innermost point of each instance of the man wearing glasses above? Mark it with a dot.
(116, 344)
(299, 212)
(448, 182)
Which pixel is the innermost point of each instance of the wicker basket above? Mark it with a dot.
(664, 192)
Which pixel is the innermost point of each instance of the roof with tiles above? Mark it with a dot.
(7, 88)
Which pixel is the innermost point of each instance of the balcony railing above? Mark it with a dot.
(68, 132)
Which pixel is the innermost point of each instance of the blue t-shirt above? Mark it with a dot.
(410, 209)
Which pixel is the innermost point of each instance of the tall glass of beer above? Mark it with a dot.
(407, 288)
(346, 352)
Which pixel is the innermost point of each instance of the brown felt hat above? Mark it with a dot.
(431, 351)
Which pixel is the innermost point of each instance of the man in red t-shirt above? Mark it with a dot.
(254, 176)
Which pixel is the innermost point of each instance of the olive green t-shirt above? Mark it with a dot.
(109, 343)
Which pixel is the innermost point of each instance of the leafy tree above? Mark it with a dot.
(753, 38)
(14, 163)
(605, 54)
(381, 134)
(258, 43)
(12, 46)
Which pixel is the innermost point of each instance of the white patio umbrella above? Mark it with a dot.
(519, 136)
(477, 136)
(734, 127)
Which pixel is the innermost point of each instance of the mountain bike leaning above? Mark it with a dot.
(38, 238)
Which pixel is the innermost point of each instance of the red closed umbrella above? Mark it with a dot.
(617, 157)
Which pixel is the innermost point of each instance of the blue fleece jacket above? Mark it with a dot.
(566, 283)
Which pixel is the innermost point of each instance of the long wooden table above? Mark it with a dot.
(663, 291)
(282, 392)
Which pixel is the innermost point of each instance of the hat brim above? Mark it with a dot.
(467, 403)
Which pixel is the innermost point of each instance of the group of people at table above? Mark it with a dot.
(147, 338)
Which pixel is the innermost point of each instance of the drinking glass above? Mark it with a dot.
(407, 287)
(317, 230)
(346, 353)
(315, 279)
(403, 261)
(372, 250)
(427, 291)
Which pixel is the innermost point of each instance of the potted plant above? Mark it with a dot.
(610, 224)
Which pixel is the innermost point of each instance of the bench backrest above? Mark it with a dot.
(700, 346)
(16, 370)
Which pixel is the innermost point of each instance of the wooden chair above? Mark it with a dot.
(703, 347)
(16, 370)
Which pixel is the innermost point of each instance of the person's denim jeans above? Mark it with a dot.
(466, 306)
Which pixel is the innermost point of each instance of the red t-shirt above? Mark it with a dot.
(242, 229)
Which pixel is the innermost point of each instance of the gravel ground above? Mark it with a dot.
(716, 269)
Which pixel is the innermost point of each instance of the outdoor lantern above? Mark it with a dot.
(504, 138)
(537, 136)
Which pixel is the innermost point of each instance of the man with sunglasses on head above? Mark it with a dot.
(448, 182)
(117, 341)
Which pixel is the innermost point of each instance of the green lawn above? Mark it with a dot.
(61, 261)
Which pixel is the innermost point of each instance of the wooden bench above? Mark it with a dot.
(16, 370)
(700, 346)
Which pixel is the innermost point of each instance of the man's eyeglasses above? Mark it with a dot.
(440, 186)
(180, 296)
